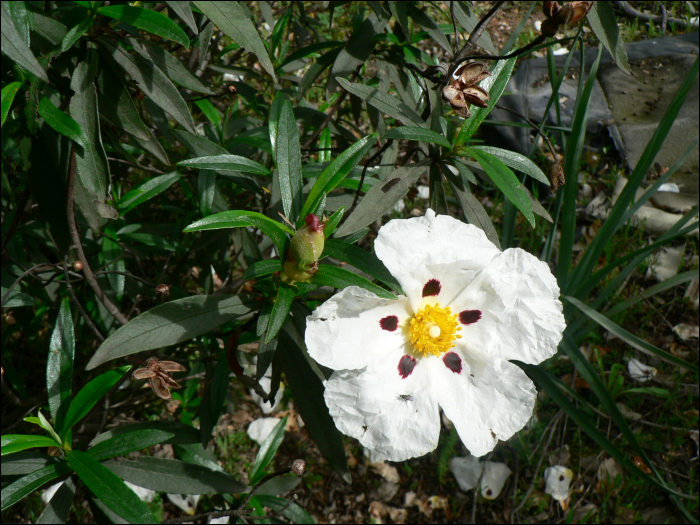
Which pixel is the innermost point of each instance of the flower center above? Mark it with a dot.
(433, 330)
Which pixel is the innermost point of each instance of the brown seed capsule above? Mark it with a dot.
(77, 266)
(163, 289)
(464, 91)
(298, 466)
(556, 176)
(157, 372)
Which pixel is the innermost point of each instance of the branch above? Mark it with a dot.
(631, 12)
(77, 303)
(139, 166)
(73, 227)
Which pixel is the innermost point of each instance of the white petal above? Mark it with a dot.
(187, 504)
(50, 491)
(490, 399)
(265, 406)
(518, 298)
(408, 246)
(466, 471)
(366, 404)
(344, 332)
(495, 476)
(143, 493)
(558, 479)
(259, 429)
(640, 371)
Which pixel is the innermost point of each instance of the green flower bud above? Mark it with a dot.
(307, 246)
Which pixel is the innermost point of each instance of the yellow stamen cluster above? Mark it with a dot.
(433, 330)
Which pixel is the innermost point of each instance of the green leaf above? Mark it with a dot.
(260, 268)
(117, 107)
(339, 278)
(474, 211)
(274, 116)
(495, 85)
(16, 490)
(14, 46)
(182, 434)
(362, 260)
(21, 463)
(381, 197)
(307, 391)
(266, 354)
(171, 323)
(8, 95)
(78, 30)
(59, 369)
(630, 338)
(309, 50)
(148, 20)
(152, 81)
(423, 20)
(226, 162)
(506, 181)
(170, 65)
(17, 299)
(241, 219)
(316, 69)
(232, 20)
(417, 133)
(109, 488)
(280, 310)
(214, 397)
(61, 122)
(149, 189)
(43, 423)
(206, 189)
(602, 20)
(288, 158)
(294, 513)
(174, 477)
(469, 20)
(651, 390)
(516, 161)
(58, 507)
(333, 222)
(89, 395)
(267, 451)
(130, 442)
(17, 442)
(335, 173)
(384, 102)
(184, 11)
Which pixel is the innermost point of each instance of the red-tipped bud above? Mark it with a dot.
(314, 223)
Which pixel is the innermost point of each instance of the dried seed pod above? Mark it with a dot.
(298, 466)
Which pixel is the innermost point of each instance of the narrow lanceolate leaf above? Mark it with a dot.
(307, 390)
(16, 490)
(280, 311)
(170, 65)
(468, 20)
(241, 219)
(214, 396)
(261, 268)
(8, 95)
(112, 253)
(335, 173)
(474, 211)
(602, 20)
(59, 505)
(516, 161)
(152, 81)
(362, 260)
(12, 443)
(630, 338)
(78, 30)
(91, 159)
(384, 102)
(59, 368)
(184, 11)
(506, 181)
(61, 122)
(111, 490)
(146, 191)
(274, 117)
(171, 323)
(226, 162)
(89, 395)
(288, 157)
(417, 133)
(116, 104)
(174, 477)
(426, 23)
(234, 22)
(381, 197)
(14, 46)
(148, 20)
(339, 278)
(131, 442)
(267, 451)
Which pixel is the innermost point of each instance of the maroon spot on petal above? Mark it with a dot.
(389, 323)
(453, 362)
(469, 316)
(406, 366)
(432, 287)
(561, 478)
(489, 492)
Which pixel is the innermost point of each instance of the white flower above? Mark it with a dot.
(468, 309)
(558, 480)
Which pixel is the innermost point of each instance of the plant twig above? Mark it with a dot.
(631, 12)
(35, 268)
(77, 245)
(139, 166)
(82, 311)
